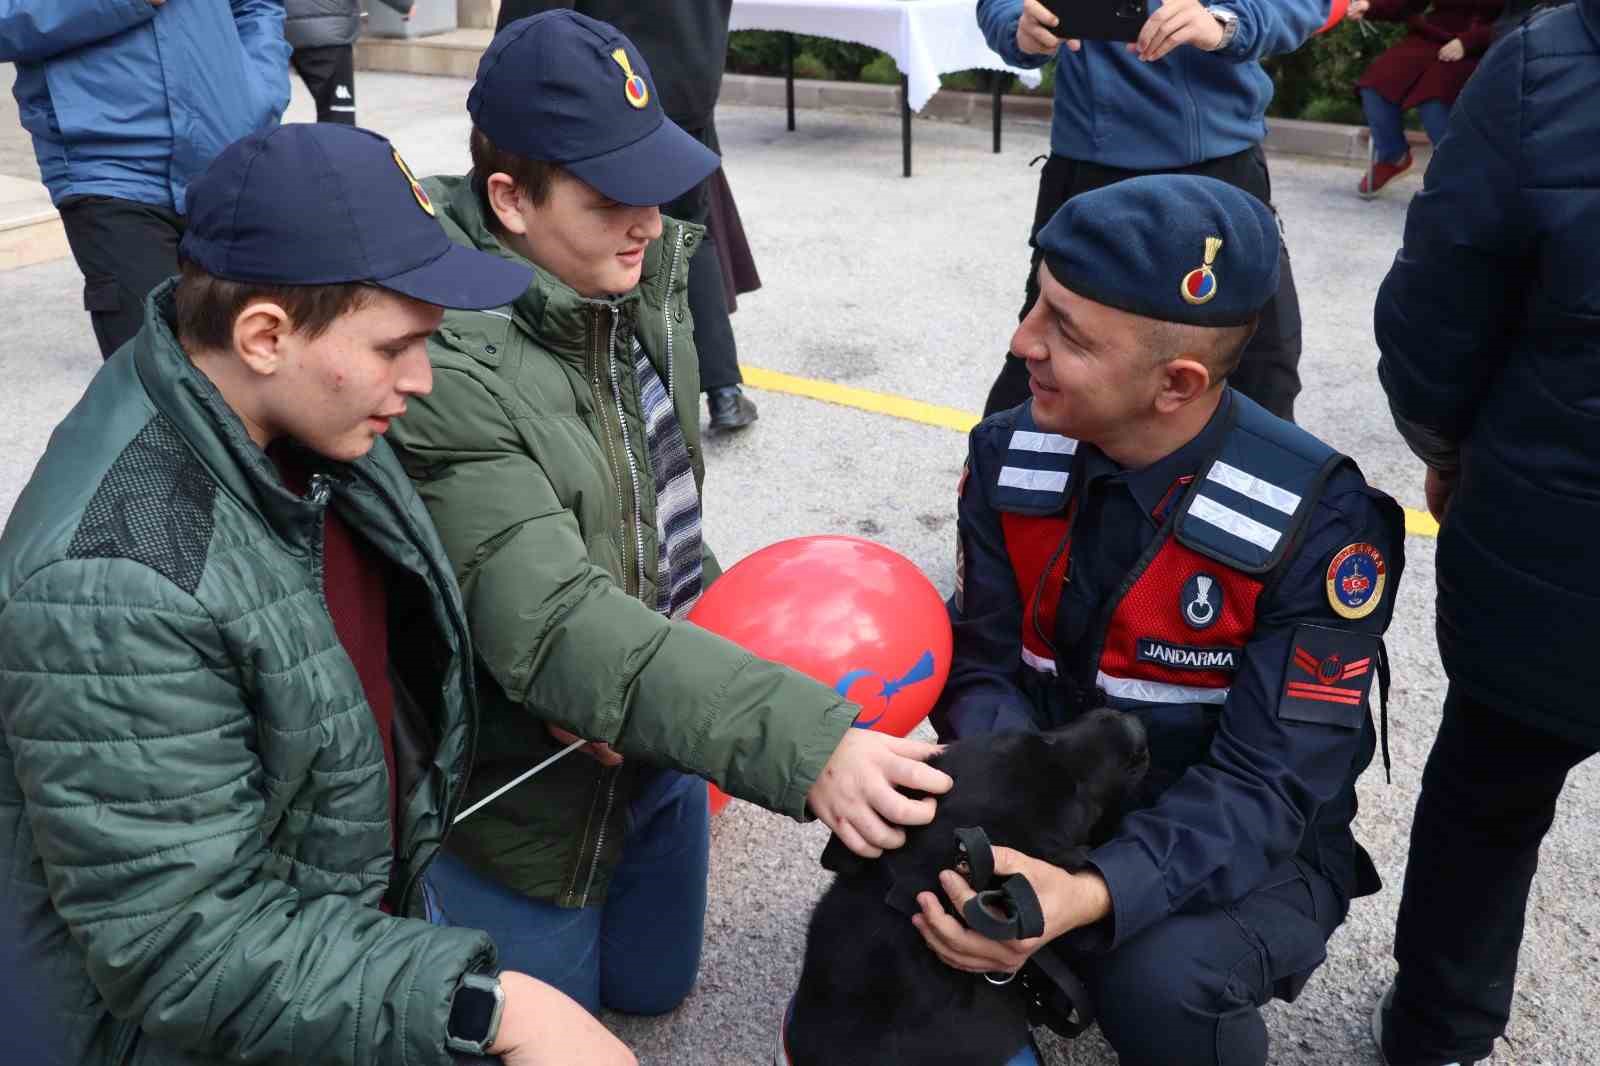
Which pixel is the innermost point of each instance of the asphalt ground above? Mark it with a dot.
(909, 289)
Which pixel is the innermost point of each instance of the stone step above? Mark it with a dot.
(454, 54)
(477, 14)
(30, 229)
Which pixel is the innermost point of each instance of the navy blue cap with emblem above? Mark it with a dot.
(322, 204)
(568, 89)
(1173, 247)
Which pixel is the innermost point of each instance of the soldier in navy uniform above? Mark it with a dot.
(1140, 535)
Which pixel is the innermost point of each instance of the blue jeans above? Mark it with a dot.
(1389, 136)
(639, 951)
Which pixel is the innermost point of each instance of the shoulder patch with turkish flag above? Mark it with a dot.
(1328, 676)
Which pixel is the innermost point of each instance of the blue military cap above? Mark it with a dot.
(323, 204)
(1173, 247)
(568, 89)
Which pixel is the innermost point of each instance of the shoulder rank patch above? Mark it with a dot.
(1355, 580)
(1328, 676)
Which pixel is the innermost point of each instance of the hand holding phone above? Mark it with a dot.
(1092, 20)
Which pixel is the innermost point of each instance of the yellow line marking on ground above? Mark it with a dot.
(1418, 523)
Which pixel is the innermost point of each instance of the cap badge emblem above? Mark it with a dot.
(1200, 284)
(637, 91)
(416, 186)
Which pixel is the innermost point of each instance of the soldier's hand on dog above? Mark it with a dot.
(857, 794)
(1069, 901)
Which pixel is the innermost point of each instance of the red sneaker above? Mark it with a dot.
(1381, 174)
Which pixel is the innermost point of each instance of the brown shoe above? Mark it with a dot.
(1381, 174)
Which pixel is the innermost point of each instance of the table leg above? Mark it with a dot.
(788, 75)
(998, 85)
(905, 123)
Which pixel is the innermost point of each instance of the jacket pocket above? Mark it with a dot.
(1288, 920)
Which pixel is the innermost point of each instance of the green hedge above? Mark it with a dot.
(1316, 82)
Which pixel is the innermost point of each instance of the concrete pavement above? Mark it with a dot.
(911, 288)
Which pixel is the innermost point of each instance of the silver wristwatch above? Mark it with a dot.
(1229, 21)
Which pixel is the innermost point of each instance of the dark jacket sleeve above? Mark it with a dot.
(1444, 312)
(35, 30)
(1213, 836)
(981, 695)
(136, 756)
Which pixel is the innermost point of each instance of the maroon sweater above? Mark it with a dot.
(353, 574)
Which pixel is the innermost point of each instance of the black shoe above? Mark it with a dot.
(730, 408)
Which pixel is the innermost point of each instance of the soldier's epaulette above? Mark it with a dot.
(1246, 509)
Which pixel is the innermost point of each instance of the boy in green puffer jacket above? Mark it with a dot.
(235, 679)
(560, 458)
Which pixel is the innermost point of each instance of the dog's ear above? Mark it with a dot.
(841, 860)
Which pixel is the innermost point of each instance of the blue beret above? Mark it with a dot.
(1173, 247)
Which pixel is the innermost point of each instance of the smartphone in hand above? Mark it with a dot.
(1099, 20)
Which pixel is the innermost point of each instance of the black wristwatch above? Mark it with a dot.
(475, 1014)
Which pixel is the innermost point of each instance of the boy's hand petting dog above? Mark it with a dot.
(857, 794)
(1070, 900)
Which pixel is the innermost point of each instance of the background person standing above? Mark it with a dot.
(1189, 97)
(686, 44)
(1489, 328)
(1426, 69)
(125, 102)
(323, 35)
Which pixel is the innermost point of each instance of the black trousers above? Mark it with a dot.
(1488, 798)
(708, 300)
(1269, 372)
(330, 74)
(1189, 989)
(124, 249)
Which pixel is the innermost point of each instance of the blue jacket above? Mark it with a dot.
(1113, 109)
(130, 100)
(1224, 648)
(1489, 328)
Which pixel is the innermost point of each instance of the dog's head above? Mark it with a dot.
(1049, 795)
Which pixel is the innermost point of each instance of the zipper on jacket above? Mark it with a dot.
(627, 448)
(605, 434)
(453, 798)
(666, 306)
(600, 837)
(318, 495)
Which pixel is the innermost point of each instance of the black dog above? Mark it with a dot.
(871, 992)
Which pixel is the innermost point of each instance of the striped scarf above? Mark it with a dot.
(678, 570)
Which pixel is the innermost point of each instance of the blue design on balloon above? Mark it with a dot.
(922, 671)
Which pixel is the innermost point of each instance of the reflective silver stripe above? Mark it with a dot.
(496, 314)
(1039, 662)
(1050, 443)
(1127, 688)
(1014, 477)
(1230, 521)
(1250, 485)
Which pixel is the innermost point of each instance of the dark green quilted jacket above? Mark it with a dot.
(530, 456)
(194, 804)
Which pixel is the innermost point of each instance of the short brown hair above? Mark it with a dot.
(532, 176)
(208, 306)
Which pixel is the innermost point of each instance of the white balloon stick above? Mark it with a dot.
(508, 786)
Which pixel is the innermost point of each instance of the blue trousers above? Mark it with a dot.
(1189, 989)
(639, 951)
(1389, 136)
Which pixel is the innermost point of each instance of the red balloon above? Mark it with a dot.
(858, 617)
(1336, 13)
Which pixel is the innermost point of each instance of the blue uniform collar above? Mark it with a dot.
(1157, 488)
